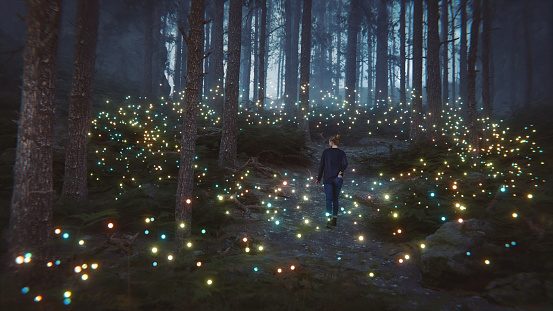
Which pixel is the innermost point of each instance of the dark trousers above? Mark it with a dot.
(332, 192)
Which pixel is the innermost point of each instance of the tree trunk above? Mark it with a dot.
(80, 108)
(338, 69)
(217, 59)
(147, 71)
(247, 62)
(416, 107)
(370, 101)
(445, 52)
(262, 41)
(433, 87)
(382, 53)
(486, 28)
(463, 55)
(156, 51)
(31, 204)
(471, 81)
(295, 55)
(184, 198)
(354, 20)
(402, 93)
(453, 61)
(229, 138)
(256, 56)
(305, 69)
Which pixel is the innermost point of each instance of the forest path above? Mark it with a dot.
(349, 255)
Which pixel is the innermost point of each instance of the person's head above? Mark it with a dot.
(334, 140)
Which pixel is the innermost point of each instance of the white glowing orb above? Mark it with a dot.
(110, 225)
(154, 250)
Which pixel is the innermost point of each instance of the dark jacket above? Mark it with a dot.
(333, 161)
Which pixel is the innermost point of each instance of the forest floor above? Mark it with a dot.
(350, 257)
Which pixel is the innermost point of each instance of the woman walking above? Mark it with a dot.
(333, 164)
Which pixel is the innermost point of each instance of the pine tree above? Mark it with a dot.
(261, 68)
(415, 134)
(354, 20)
(305, 69)
(184, 199)
(433, 86)
(229, 138)
(382, 53)
(80, 108)
(217, 59)
(31, 204)
(471, 80)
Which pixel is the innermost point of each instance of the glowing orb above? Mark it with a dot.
(81, 242)
(78, 269)
(530, 196)
(460, 220)
(386, 197)
(292, 267)
(199, 264)
(247, 249)
(57, 231)
(65, 235)
(401, 260)
(487, 262)
(423, 246)
(245, 239)
(154, 250)
(19, 260)
(361, 238)
(371, 274)
(38, 298)
(515, 215)
(279, 270)
(94, 266)
(84, 277)
(260, 248)
(189, 244)
(66, 301)
(170, 257)
(407, 257)
(188, 201)
(110, 225)
(209, 282)
(67, 294)
(182, 225)
(25, 290)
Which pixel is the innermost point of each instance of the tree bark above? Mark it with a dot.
(229, 138)
(80, 107)
(305, 69)
(184, 198)
(471, 81)
(217, 60)
(453, 61)
(486, 28)
(147, 71)
(256, 55)
(382, 53)
(262, 41)
(463, 55)
(247, 61)
(433, 87)
(338, 68)
(416, 107)
(354, 20)
(402, 92)
(445, 52)
(31, 203)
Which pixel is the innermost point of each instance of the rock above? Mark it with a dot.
(516, 289)
(445, 261)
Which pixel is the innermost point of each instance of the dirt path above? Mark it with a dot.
(349, 253)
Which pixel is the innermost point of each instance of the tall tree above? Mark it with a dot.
(453, 61)
(80, 107)
(433, 87)
(184, 199)
(463, 54)
(261, 69)
(338, 68)
(354, 20)
(291, 8)
(382, 53)
(305, 69)
(471, 81)
(402, 58)
(147, 71)
(216, 62)
(486, 29)
(415, 134)
(247, 57)
(445, 51)
(31, 203)
(229, 137)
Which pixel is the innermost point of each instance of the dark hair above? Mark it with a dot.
(335, 139)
